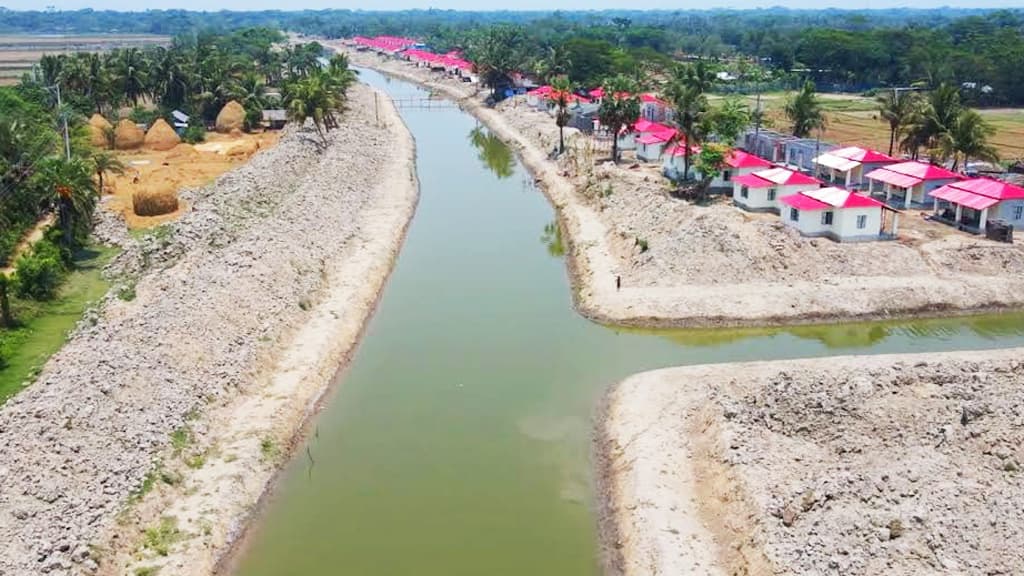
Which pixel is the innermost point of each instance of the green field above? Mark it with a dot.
(43, 326)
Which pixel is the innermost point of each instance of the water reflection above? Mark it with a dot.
(494, 154)
(854, 335)
(552, 239)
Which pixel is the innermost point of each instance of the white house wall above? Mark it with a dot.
(757, 198)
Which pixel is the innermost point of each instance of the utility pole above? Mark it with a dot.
(64, 117)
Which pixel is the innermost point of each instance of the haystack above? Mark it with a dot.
(231, 117)
(154, 202)
(128, 136)
(161, 136)
(98, 127)
(235, 133)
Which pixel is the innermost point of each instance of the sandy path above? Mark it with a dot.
(34, 236)
(786, 300)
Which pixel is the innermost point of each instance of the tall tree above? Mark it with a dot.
(619, 108)
(898, 109)
(686, 92)
(805, 112)
(131, 73)
(496, 53)
(561, 93)
(103, 163)
(729, 119)
(970, 139)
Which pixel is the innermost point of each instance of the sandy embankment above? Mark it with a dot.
(149, 439)
(717, 266)
(902, 464)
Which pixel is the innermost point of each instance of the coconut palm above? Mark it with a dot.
(686, 92)
(561, 94)
(899, 110)
(805, 112)
(555, 62)
(131, 74)
(250, 92)
(969, 139)
(619, 108)
(104, 162)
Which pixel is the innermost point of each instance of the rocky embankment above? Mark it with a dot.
(880, 465)
(687, 265)
(147, 440)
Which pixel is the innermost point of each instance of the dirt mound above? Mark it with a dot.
(155, 202)
(182, 151)
(235, 133)
(231, 117)
(161, 136)
(243, 148)
(128, 136)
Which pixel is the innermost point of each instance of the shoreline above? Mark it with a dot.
(302, 379)
(755, 304)
(687, 486)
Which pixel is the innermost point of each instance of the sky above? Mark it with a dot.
(506, 4)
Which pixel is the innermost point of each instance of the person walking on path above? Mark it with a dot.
(618, 283)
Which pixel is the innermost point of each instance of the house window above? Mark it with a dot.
(771, 194)
(726, 175)
(826, 218)
(794, 214)
(744, 192)
(1018, 212)
(862, 222)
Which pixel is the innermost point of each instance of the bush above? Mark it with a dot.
(39, 272)
(140, 115)
(194, 135)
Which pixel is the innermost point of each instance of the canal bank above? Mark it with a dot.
(869, 281)
(459, 441)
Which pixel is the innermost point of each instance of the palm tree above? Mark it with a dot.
(561, 93)
(555, 62)
(805, 111)
(970, 139)
(686, 92)
(131, 74)
(898, 109)
(620, 107)
(250, 92)
(104, 162)
(74, 191)
(730, 119)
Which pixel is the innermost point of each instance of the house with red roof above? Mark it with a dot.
(629, 136)
(762, 190)
(970, 204)
(838, 214)
(737, 163)
(655, 109)
(909, 183)
(538, 97)
(651, 144)
(847, 167)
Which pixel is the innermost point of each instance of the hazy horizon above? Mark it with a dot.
(521, 5)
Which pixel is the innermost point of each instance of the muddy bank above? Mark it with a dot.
(902, 464)
(715, 265)
(147, 441)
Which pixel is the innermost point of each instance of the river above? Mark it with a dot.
(458, 440)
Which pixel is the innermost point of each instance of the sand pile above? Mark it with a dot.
(98, 129)
(231, 117)
(161, 136)
(243, 148)
(128, 136)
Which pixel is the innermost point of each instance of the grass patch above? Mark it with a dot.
(180, 439)
(269, 449)
(147, 571)
(160, 538)
(147, 485)
(43, 326)
(196, 461)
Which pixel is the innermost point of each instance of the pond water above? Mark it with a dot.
(457, 442)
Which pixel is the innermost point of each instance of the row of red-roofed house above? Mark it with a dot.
(413, 51)
(845, 212)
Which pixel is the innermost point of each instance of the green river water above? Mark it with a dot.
(457, 443)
